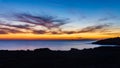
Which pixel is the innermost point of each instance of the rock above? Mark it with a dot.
(109, 41)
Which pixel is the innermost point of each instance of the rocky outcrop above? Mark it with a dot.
(109, 41)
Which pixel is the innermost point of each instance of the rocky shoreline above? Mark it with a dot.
(100, 57)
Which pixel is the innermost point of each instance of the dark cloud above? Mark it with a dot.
(112, 33)
(54, 32)
(21, 26)
(16, 26)
(69, 32)
(3, 32)
(46, 21)
(49, 22)
(39, 32)
(8, 30)
(95, 28)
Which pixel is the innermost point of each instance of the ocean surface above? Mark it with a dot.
(53, 45)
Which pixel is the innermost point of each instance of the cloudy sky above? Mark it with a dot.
(59, 19)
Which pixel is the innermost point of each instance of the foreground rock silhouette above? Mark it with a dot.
(101, 57)
(109, 41)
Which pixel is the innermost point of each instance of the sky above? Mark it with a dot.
(59, 19)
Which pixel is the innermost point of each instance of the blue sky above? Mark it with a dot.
(82, 13)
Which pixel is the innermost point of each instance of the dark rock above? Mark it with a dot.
(42, 49)
(109, 41)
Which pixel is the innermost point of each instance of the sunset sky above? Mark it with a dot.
(59, 19)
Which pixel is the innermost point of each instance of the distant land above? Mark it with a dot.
(109, 41)
(47, 39)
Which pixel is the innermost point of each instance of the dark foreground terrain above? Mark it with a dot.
(101, 57)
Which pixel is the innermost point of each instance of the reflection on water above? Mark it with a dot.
(54, 45)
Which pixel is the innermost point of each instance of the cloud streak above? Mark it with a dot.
(94, 28)
(51, 23)
(8, 30)
(3, 32)
(45, 21)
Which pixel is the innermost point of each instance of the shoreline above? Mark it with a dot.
(100, 57)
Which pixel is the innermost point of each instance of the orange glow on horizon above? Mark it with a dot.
(53, 36)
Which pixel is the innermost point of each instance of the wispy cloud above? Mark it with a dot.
(3, 32)
(8, 30)
(94, 28)
(39, 32)
(111, 33)
(51, 23)
(46, 21)
(91, 29)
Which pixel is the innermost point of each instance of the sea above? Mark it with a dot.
(53, 45)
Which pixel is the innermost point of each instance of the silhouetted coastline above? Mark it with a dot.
(100, 57)
(109, 41)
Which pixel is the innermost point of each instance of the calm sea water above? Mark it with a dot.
(54, 45)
